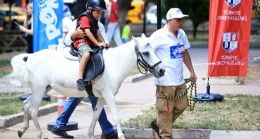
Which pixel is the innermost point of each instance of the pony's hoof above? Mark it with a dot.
(20, 133)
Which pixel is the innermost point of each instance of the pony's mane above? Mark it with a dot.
(122, 49)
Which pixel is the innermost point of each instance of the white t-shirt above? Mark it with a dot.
(72, 29)
(169, 50)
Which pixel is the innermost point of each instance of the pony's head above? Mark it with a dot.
(146, 57)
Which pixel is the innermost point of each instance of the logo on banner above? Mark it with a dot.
(230, 41)
(233, 3)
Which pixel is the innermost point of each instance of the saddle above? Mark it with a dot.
(94, 68)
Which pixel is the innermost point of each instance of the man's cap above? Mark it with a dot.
(175, 13)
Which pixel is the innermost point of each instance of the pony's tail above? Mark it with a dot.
(20, 71)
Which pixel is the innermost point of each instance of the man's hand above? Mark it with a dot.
(78, 34)
(193, 76)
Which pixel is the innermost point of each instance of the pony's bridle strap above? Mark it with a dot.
(141, 62)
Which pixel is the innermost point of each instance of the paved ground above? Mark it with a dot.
(133, 98)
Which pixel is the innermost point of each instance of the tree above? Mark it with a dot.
(198, 10)
(256, 9)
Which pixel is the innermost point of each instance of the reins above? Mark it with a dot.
(145, 65)
(192, 87)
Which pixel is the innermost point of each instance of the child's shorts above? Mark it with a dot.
(83, 47)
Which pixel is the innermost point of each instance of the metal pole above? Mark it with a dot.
(144, 19)
(159, 18)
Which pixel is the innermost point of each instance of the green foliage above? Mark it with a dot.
(256, 9)
(198, 10)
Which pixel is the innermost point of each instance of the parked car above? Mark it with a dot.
(18, 14)
(151, 15)
(135, 15)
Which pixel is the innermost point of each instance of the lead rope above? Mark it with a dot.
(192, 87)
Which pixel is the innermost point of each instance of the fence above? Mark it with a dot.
(12, 40)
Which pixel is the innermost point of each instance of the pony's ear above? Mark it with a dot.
(143, 35)
(135, 39)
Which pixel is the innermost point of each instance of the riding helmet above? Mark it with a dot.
(96, 5)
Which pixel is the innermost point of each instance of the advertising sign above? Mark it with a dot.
(229, 37)
(47, 23)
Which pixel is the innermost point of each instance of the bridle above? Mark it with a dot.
(141, 62)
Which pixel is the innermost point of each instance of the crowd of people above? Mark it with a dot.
(170, 44)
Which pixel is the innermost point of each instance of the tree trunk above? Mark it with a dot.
(195, 28)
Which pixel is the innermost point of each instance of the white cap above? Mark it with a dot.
(175, 13)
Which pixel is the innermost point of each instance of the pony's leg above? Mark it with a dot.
(96, 114)
(35, 104)
(25, 126)
(110, 100)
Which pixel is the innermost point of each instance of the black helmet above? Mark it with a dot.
(97, 5)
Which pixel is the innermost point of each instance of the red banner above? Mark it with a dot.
(229, 36)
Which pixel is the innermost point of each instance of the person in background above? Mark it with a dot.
(113, 27)
(171, 45)
(66, 22)
(27, 27)
(2, 18)
(67, 19)
(71, 5)
(126, 34)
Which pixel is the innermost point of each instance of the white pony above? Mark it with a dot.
(49, 69)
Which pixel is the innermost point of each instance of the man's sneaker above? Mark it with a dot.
(155, 126)
(112, 135)
(61, 133)
(81, 85)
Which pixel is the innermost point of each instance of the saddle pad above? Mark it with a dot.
(67, 54)
(95, 65)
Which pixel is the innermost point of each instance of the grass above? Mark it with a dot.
(4, 64)
(253, 73)
(136, 71)
(236, 112)
(10, 103)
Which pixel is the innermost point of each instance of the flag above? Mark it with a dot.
(229, 37)
(47, 23)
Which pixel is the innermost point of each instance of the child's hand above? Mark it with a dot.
(101, 44)
(106, 44)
